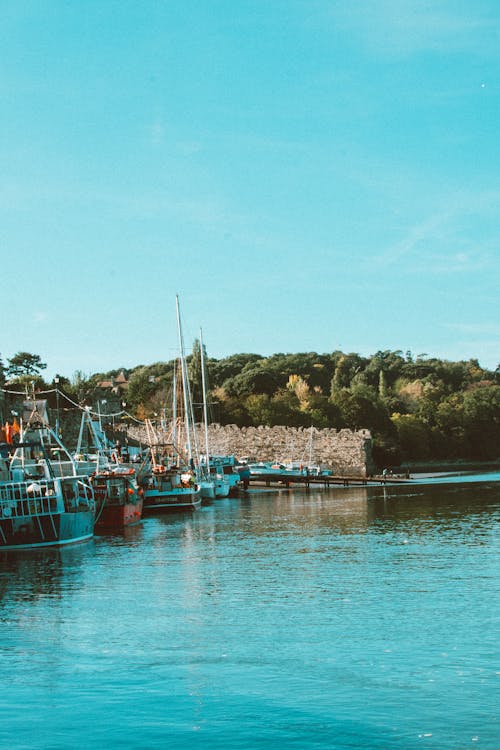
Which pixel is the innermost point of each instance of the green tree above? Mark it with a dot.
(24, 363)
(481, 415)
(348, 366)
(142, 386)
(225, 369)
(252, 379)
(285, 409)
(229, 409)
(414, 437)
(258, 407)
(195, 377)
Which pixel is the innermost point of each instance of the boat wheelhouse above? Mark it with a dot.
(38, 508)
(118, 498)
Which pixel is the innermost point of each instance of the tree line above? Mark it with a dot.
(418, 408)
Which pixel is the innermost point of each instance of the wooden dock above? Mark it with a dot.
(324, 480)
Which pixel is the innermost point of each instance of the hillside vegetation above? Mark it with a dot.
(417, 408)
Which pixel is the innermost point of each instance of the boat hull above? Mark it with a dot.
(118, 499)
(180, 500)
(50, 530)
(119, 516)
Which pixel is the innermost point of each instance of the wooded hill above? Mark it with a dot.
(417, 408)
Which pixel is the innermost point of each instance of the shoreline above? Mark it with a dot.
(452, 465)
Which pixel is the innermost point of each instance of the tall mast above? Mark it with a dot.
(205, 410)
(174, 413)
(184, 379)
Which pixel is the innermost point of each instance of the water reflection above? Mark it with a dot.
(295, 617)
(423, 507)
(346, 511)
(33, 574)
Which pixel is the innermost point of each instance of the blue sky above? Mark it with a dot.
(307, 175)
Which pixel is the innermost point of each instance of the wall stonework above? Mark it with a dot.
(345, 452)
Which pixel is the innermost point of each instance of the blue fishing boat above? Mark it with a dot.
(43, 503)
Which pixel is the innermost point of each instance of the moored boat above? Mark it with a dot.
(38, 508)
(170, 489)
(119, 499)
(220, 470)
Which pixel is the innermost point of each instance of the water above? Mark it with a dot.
(347, 618)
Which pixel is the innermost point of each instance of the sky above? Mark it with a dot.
(307, 175)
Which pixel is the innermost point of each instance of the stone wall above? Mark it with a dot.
(344, 451)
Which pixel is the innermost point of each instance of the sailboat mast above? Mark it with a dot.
(174, 412)
(205, 410)
(184, 379)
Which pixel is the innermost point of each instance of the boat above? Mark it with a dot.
(286, 469)
(169, 476)
(289, 470)
(118, 498)
(225, 469)
(167, 481)
(94, 452)
(266, 468)
(243, 473)
(170, 488)
(41, 506)
(213, 482)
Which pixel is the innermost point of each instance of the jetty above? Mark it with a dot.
(324, 480)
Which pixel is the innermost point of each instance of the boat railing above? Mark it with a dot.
(23, 499)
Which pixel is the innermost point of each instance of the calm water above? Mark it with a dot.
(360, 618)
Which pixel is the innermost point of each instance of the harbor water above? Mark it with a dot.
(341, 618)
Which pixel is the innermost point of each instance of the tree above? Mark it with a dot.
(24, 363)
(195, 375)
(481, 414)
(298, 386)
(252, 379)
(229, 410)
(258, 406)
(142, 387)
(347, 367)
(229, 367)
(414, 436)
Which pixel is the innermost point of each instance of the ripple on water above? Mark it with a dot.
(360, 618)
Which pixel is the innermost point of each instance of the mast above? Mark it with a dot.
(174, 413)
(205, 410)
(184, 379)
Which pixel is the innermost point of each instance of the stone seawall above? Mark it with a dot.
(346, 452)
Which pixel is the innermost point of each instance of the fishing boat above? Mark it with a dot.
(170, 474)
(94, 452)
(224, 469)
(167, 480)
(118, 498)
(39, 505)
(170, 488)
